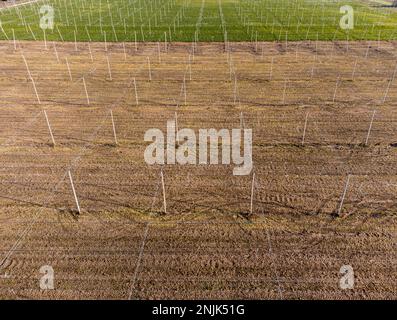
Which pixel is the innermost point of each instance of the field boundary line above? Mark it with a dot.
(138, 263)
(272, 254)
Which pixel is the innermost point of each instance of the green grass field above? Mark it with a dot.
(200, 20)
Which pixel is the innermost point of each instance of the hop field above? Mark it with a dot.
(198, 20)
(314, 217)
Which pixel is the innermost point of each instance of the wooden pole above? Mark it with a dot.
(74, 193)
(114, 128)
(136, 92)
(344, 195)
(370, 127)
(252, 192)
(304, 128)
(164, 199)
(49, 128)
(86, 93)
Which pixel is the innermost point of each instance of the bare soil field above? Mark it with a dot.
(208, 244)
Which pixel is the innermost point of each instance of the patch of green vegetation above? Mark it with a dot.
(201, 20)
